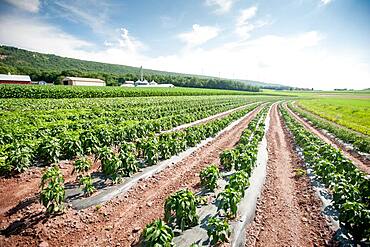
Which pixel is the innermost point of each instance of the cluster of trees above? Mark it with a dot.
(53, 69)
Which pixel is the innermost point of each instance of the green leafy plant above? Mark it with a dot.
(52, 189)
(87, 183)
(209, 176)
(129, 162)
(82, 165)
(218, 230)
(228, 201)
(180, 208)
(112, 167)
(227, 159)
(19, 157)
(5, 167)
(50, 150)
(238, 182)
(157, 234)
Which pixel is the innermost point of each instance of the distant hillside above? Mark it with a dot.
(53, 69)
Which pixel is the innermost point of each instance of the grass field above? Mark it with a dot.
(353, 113)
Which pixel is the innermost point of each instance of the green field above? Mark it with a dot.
(353, 113)
(59, 92)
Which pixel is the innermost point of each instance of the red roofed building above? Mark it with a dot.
(14, 79)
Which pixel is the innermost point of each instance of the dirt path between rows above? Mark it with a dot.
(22, 190)
(120, 221)
(363, 165)
(288, 212)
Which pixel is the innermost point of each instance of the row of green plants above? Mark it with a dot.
(126, 159)
(359, 141)
(59, 92)
(150, 150)
(180, 207)
(63, 142)
(20, 124)
(350, 187)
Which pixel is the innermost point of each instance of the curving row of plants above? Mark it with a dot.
(349, 186)
(21, 123)
(180, 207)
(360, 142)
(127, 157)
(150, 150)
(66, 141)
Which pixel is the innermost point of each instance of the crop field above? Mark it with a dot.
(58, 92)
(182, 167)
(349, 112)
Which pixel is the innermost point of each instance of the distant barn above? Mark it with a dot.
(79, 81)
(14, 79)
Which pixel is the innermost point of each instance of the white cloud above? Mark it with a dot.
(32, 6)
(32, 34)
(325, 2)
(243, 25)
(297, 60)
(199, 35)
(128, 43)
(246, 15)
(222, 6)
(91, 16)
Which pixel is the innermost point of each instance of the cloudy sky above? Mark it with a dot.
(306, 43)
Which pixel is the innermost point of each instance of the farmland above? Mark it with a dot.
(122, 167)
(351, 113)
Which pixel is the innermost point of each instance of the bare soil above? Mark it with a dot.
(120, 221)
(19, 192)
(362, 163)
(288, 212)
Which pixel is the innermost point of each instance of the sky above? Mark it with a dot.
(321, 44)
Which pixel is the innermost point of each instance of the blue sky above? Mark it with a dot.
(307, 43)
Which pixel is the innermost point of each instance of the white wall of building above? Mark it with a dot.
(87, 83)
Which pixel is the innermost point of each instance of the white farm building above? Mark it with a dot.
(79, 81)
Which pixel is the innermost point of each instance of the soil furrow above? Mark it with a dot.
(122, 219)
(24, 187)
(288, 212)
(363, 165)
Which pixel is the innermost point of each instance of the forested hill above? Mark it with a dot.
(52, 68)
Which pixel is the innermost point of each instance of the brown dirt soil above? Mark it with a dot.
(120, 221)
(288, 212)
(22, 190)
(362, 164)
